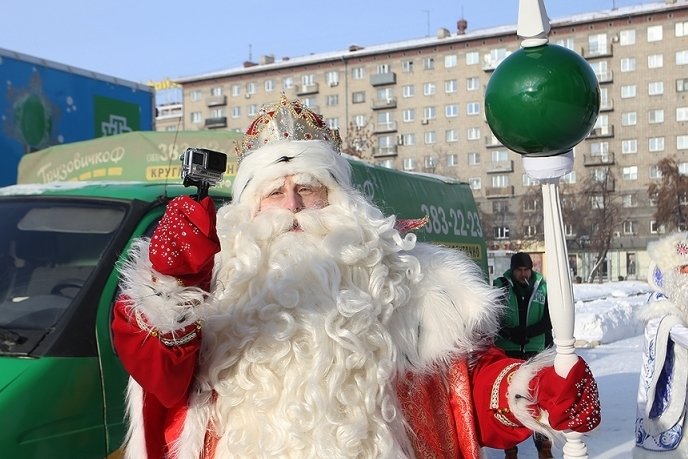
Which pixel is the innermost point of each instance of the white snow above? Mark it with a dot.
(610, 339)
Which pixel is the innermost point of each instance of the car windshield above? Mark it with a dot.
(48, 250)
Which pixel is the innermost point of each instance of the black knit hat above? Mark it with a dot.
(521, 259)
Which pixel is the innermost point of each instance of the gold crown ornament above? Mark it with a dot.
(286, 120)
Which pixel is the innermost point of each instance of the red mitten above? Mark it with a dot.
(573, 402)
(185, 242)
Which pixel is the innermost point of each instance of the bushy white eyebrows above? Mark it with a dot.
(300, 179)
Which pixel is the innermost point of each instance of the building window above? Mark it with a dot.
(597, 202)
(472, 58)
(429, 89)
(451, 135)
(628, 64)
(569, 178)
(358, 97)
(408, 115)
(655, 88)
(408, 139)
(451, 111)
(287, 82)
(627, 37)
(475, 183)
(682, 85)
(236, 90)
(530, 230)
(655, 61)
(682, 142)
(501, 232)
(332, 123)
(566, 43)
(500, 181)
(655, 173)
(682, 114)
(655, 228)
(251, 88)
(428, 63)
(472, 84)
(500, 206)
(409, 164)
(597, 44)
(527, 180)
(473, 158)
(473, 108)
(332, 78)
(360, 120)
(628, 91)
(430, 137)
(451, 86)
(251, 110)
(628, 119)
(655, 116)
(630, 173)
(656, 144)
(629, 200)
(530, 205)
(450, 61)
(452, 159)
(332, 100)
(408, 91)
(681, 29)
(216, 91)
(429, 113)
(654, 33)
(629, 146)
(630, 227)
(196, 117)
(358, 73)
(196, 95)
(236, 112)
(681, 57)
(269, 85)
(407, 66)
(473, 133)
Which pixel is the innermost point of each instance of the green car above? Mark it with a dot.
(61, 385)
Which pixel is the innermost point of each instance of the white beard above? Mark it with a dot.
(298, 350)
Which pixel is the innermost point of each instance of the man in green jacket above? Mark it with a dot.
(526, 327)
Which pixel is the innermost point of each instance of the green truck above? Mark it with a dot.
(61, 384)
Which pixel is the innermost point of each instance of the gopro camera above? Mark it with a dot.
(202, 167)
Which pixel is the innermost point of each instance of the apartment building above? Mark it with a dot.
(421, 103)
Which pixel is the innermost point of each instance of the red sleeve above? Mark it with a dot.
(163, 370)
(497, 426)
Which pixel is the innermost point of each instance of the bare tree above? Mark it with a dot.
(597, 214)
(671, 195)
(359, 141)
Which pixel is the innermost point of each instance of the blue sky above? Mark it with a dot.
(153, 40)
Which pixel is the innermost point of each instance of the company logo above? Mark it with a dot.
(113, 116)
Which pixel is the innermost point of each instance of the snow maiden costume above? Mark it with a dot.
(661, 414)
(319, 333)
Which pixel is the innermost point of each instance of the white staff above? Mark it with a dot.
(534, 27)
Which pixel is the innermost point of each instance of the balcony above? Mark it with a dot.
(217, 122)
(381, 128)
(216, 101)
(607, 105)
(382, 152)
(307, 89)
(597, 51)
(496, 167)
(499, 192)
(169, 111)
(381, 104)
(604, 159)
(492, 142)
(382, 79)
(605, 77)
(602, 131)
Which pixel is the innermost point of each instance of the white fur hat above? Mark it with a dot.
(290, 157)
(667, 253)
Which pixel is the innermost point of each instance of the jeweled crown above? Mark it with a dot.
(286, 120)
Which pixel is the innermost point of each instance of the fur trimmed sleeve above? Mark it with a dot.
(165, 304)
(452, 310)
